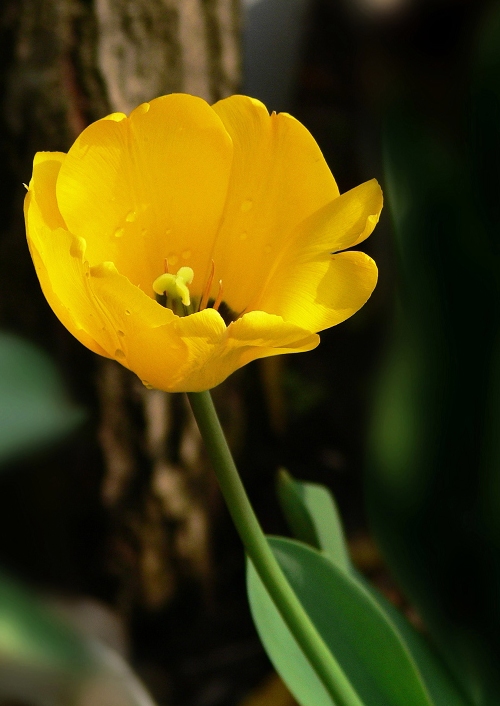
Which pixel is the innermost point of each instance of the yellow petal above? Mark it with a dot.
(279, 177)
(366, 201)
(301, 278)
(149, 187)
(43, 230)
(46, 166)
(254, 335)
(60, 309)
(343, 223)
(198, 352)
(259, 334)
(70, 284)
(177, 356)
(318, 292)
(216, 352)
(129, 314)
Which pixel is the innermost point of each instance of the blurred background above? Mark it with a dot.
(109, 512)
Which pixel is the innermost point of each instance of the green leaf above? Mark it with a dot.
(432, 478)
(310, 505)
(312, 515)
(441, 686)
(357, 632)
(34, 408)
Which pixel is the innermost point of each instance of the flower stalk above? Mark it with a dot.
(257, 548)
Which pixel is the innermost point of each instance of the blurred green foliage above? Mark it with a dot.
(43, 659)
(434, 473)
(34, 406)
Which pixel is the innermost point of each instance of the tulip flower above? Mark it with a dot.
(187, 240)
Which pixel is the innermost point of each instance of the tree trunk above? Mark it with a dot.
(64, 64)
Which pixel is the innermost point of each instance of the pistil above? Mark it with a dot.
(175, 286)
(172, 292)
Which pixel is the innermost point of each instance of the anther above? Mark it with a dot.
(219, 297)
(206, 291)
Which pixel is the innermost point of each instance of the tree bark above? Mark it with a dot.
(63, 64)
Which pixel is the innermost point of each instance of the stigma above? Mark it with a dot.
(175, 286)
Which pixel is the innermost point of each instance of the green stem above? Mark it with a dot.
(257, 548)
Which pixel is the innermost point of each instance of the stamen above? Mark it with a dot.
(206, 291)
(219, 297)
(165, 266)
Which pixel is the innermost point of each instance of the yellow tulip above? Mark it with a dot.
(231, 212)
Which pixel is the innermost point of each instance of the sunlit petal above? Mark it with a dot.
(341, 224)
(320, 292)
(128, 187)
(279, 177)
(50, 247)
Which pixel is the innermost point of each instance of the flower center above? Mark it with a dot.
(172, 291)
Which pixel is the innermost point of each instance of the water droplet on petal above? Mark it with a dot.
(246, 205)
(119, 232)
(186, 254)
(144, 231)
(119, 354)
(244, 235)
(131, 216)
(172, 259)
(127, 312)
(120, 333)
(146, 384)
